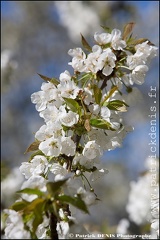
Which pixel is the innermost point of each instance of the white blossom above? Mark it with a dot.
(138, 206)
(42, 229)
(105, 113)
(40, 100)
(15, 226)
(92, 150)
(139, 73)
(109, 58)
(10, 184)
(51, 146)
(117, 42)
(36, 166)
(62, 229)
(59, 171)
(102, 38)
(69, 118)
(68, 89)
(68, 146)
(78, 60)
(50, 114)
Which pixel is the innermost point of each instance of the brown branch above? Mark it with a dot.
(53, 226)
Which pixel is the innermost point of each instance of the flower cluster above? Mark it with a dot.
(143, 201)
(83, 117)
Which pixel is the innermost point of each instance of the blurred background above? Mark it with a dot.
(35, 38)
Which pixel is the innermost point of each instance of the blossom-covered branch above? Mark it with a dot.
(83, 118)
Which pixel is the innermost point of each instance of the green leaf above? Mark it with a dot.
(33, 147)
(20, 205)
(97, 93)
(116, 105)
(53, 187)
(128, 29)
(101, 123)
(85, 44)
(75, 201)
(32, 205)
(51, 80)
(73, 104)
(31, 191)
(38, 216)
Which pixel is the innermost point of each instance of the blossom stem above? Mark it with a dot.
(53, 225)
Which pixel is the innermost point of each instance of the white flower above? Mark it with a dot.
(109, 58)
(102, 38)
(62, 229)
(88, 96)
(92, 150)
(59, 171)
(42, 229)
(36, 166)
(40, 100)
(93, 62)
(139, 73)
(68, 146)
(94, 108)
(148, 50)
(134, 60)
(138, 206)
(105, 113)
(65, 76)
(69, 118)
(51, 146)
(78, 59)
(50, 114)
(68, 89)
(10, 184)
(117, 42)
(15, 226)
